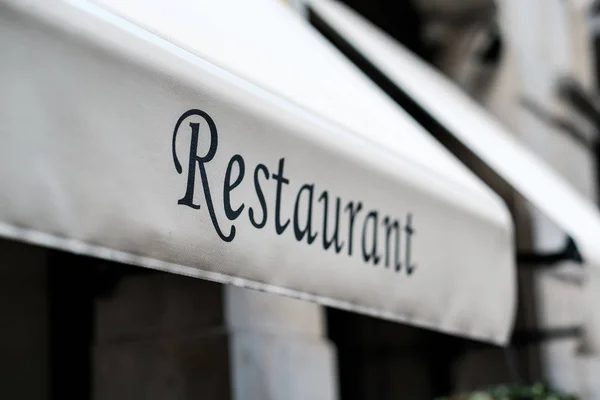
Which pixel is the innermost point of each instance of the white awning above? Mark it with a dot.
(227, 140)
(472, 125)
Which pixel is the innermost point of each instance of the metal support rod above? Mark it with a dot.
(550, 259)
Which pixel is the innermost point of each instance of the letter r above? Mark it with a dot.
(194, 158)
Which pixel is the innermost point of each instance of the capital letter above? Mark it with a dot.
(188, 198)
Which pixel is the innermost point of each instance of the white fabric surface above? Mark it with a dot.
(92, 93)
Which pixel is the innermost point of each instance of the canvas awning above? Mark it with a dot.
(472, 125)
(227, 140)
(442, 102)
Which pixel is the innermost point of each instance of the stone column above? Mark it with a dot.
(278, 349)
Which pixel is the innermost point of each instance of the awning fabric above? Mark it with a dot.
(227, 140)
(472, 125)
